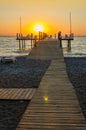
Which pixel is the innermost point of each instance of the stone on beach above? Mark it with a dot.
(8, 59)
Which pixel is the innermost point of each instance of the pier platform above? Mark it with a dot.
(54, 105)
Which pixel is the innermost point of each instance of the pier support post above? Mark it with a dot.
(60, 43)
(39, 35)
(43, 35)
(24, 44)
(19, 44)
(17, 35)
(60, 38)
(69, 44)
(55, 35)
(31, 39)
(35, 41)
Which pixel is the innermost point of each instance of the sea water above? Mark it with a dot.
(78, 47)
(9, 46)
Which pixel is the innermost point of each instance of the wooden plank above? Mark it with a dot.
(27, 95)
(22, 93)
(32, 93)
(17, 93)
(3, 93)
(14, 93)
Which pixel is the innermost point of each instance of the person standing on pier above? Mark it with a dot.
(59, 35)
(60, 38)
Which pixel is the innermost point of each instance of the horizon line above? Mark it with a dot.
(52, 35)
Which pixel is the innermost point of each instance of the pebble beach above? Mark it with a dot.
(76, 70)
(27, 73)
(24, 73)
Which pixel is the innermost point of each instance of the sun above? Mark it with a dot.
(39, 28)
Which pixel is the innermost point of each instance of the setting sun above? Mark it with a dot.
(39, 28)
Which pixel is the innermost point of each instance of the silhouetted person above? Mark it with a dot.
(60, 38)
(59, 35)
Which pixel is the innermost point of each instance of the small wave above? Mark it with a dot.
(75, 55)
(22, 51)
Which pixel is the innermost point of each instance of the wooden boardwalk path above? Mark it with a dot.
(17, 93)
(55, 105)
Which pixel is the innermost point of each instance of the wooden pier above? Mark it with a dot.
(67, 38)
(54, 106)
(32, 38)
(22, 39)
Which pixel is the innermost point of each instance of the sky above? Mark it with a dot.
(52, 14)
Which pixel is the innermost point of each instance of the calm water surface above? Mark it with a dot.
(9, 47)
(78, 47)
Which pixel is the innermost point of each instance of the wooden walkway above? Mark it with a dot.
(55, 105)
(17, 93)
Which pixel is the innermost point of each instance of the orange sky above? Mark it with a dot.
(53, 14)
